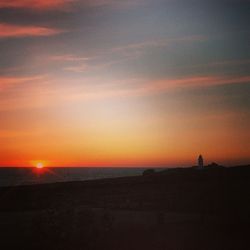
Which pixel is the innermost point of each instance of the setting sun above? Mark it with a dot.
(39, 165)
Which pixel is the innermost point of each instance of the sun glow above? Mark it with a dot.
(39, 165)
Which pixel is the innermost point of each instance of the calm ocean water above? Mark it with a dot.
(24, 176)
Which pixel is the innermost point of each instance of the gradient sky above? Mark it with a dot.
(124, 83)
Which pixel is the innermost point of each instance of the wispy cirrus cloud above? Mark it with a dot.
(223, 63)
(9, 30)
(68, 58)
(27, 92)
(44, 5)
(72, 59)
(35, 4)
(77, 69)
(195, 81)
(145, 87)
(159, 43)
(121, 53)
(117, 3)
(10, 81)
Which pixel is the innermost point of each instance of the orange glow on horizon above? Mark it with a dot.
(39, 164)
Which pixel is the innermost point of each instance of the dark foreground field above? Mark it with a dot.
(177, 209)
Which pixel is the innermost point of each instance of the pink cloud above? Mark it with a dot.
(27, 92)
(7, 82)
(34, 4)
(9, 30)
(55, 4)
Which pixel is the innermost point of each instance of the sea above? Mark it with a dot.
(29, 176)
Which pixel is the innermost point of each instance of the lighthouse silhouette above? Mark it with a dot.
(200, 162)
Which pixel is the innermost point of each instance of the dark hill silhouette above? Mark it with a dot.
(181, 208)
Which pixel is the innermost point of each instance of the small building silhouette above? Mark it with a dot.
(148, 172)
(200, 162)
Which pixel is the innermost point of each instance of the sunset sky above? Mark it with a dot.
(124, 82)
